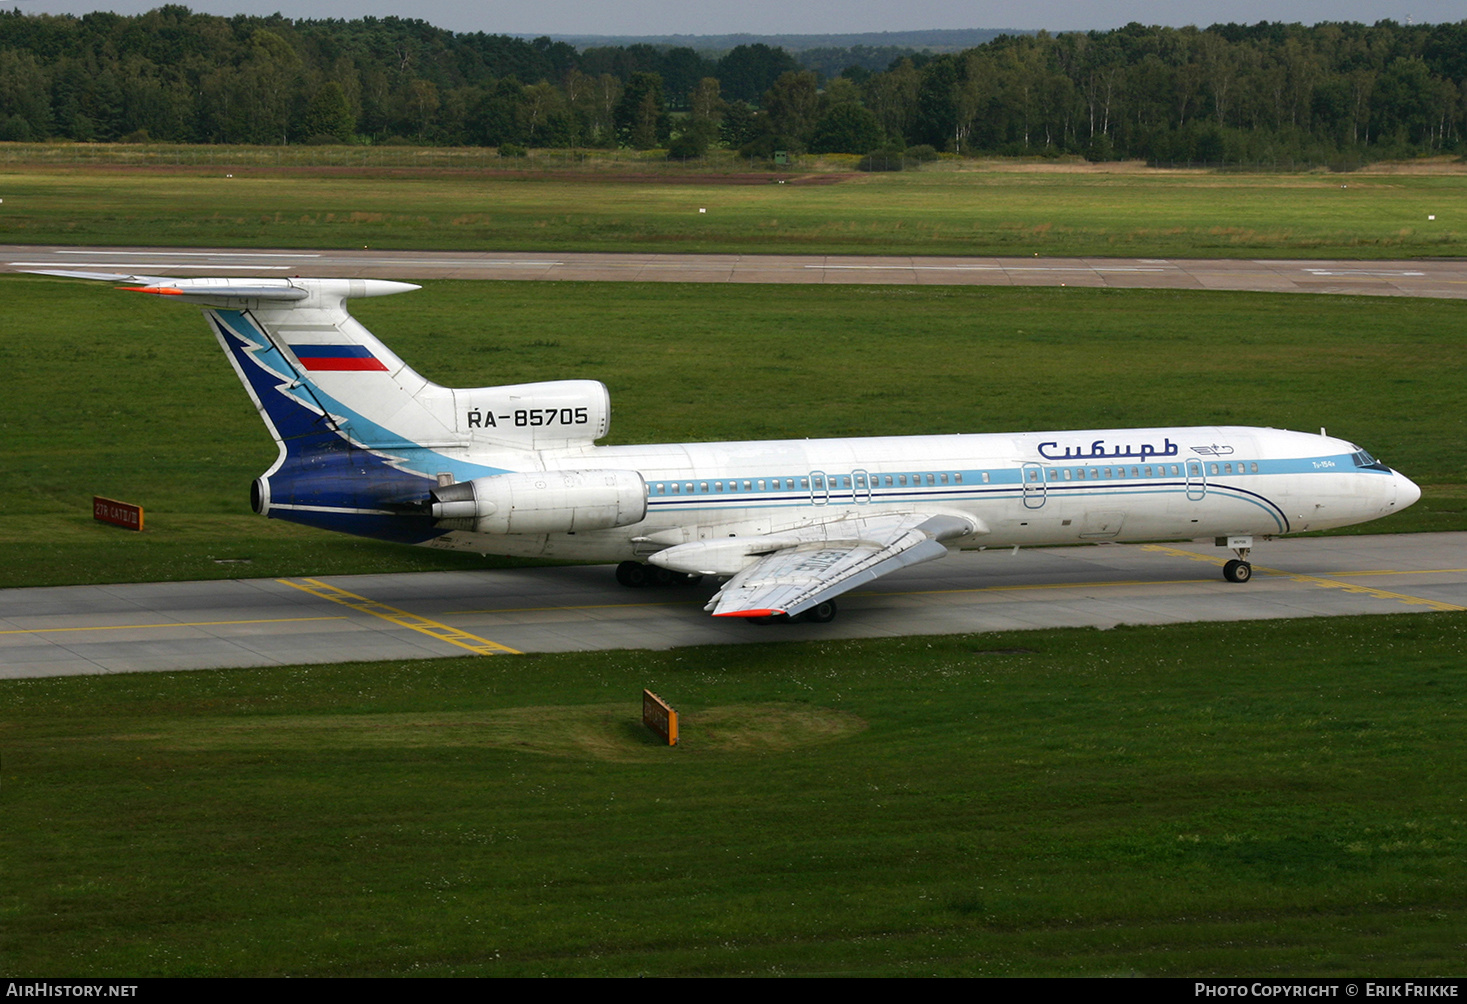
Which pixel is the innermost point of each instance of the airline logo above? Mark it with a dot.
(337, 358)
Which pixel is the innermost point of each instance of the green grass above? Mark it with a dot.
(128, 397)
(941, 211)
(1265, 799)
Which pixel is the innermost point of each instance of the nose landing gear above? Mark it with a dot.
(1237, 570)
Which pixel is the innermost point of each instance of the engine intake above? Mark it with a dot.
(542, 502)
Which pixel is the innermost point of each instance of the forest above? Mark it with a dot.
(1225, 94)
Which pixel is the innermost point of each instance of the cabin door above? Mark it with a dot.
(1196, 481)
(819, 490)
(1034, 487)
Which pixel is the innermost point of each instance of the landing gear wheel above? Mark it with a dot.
(821, 613)
(661, 576)
(1237, 571)
(632, 574)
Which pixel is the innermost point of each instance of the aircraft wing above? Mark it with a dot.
(800, 575)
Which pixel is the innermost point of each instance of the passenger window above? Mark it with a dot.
(1214, 468)
(985, 477)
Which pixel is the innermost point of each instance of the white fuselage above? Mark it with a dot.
(1017, 489)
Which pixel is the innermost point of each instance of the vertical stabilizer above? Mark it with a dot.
(355, 425)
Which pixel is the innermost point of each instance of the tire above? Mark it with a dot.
(632, 574)
(1237, 571)
(821, 613)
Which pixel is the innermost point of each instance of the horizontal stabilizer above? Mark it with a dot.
(240, 292)
(236, 292)
(98, 276)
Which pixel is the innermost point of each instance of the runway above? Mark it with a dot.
(1441, 279)
(73, 630)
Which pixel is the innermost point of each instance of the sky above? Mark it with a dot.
(772, 17)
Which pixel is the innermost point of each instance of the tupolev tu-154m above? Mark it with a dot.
(369, 447)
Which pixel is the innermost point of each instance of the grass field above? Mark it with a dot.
(935, 211)
(130, 398)
(1277, 798)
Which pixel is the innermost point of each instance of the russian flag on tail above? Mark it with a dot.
(337, 358)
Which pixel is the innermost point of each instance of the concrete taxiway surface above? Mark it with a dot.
(264, 622)
(1447, 278)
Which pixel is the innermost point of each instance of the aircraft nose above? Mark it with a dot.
(1406, 491)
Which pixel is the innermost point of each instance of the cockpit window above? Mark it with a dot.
(1363, 459)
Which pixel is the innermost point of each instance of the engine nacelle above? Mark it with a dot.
(542, 502)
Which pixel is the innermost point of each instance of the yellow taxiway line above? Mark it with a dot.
(431, 628)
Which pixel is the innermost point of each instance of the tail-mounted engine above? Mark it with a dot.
(542, 502)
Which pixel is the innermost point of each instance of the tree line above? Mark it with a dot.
(1227, 93)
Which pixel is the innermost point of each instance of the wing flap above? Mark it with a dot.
(794, 579)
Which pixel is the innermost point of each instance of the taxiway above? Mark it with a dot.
(263, 622)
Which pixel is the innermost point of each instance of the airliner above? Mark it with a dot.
(369, 447)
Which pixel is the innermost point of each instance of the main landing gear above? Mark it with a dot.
(636, 575)
(1237, 570)
(820, 613)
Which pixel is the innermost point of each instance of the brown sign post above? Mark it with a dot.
(122, 514)
(659, 716)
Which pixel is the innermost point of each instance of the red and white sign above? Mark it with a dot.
(117, 513)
